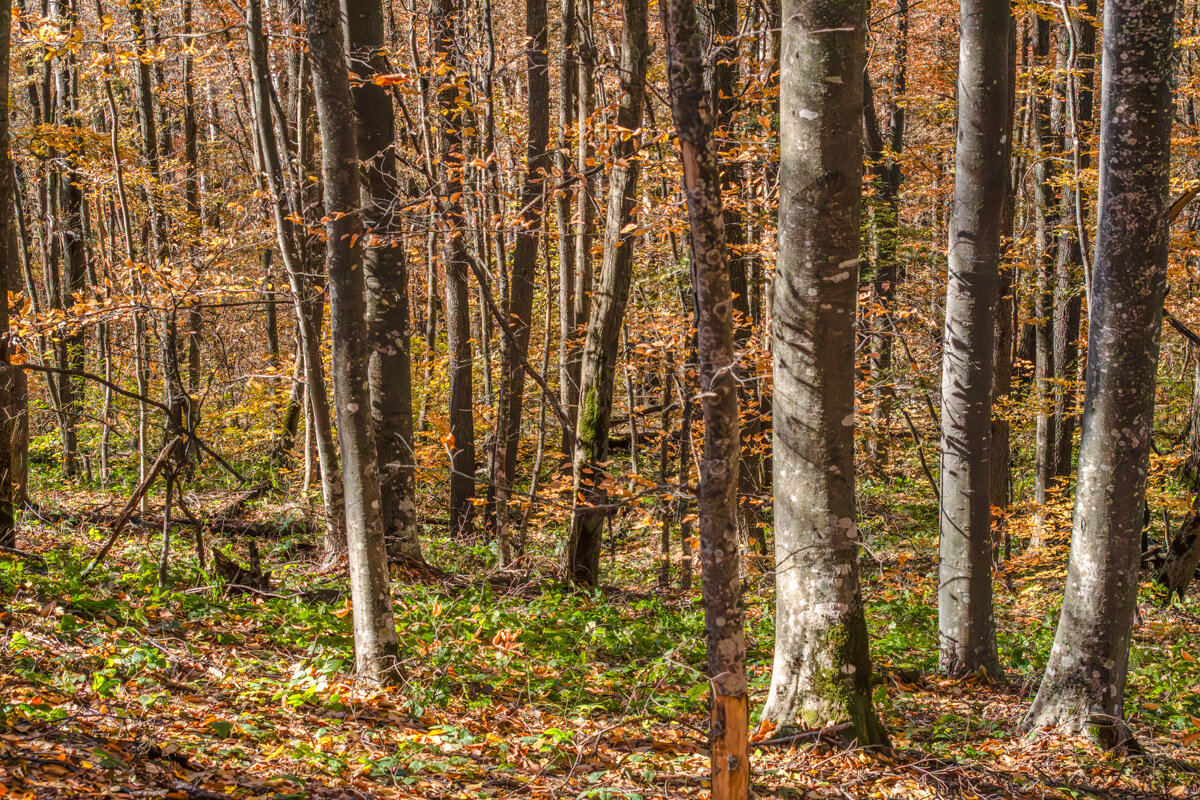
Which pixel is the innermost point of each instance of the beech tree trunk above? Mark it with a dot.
(822, 670)
(608, 308)
(966, 629)
(375, 643)
(1084, 685)
(717, 495)
(390, 367)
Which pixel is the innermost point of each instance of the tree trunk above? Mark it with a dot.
(390, 368)
(822, 670)
(1045, 223)
(1084, 685)
(966, 629)
(1068, 281)
(585, 209)
(10, 478)
(519, 305)
(307, 307)
(717, 497)
(461, 442)
(1002, 356)
(375, 644)
(568, 70)
(886, 175)
(608, 308)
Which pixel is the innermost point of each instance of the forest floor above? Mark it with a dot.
(110, 687)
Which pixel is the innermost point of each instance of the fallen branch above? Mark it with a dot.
(127, 512)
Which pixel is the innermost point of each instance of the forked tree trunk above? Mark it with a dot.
(375, 644)
(608, 308)
(1083, 689)
(966, 629)
(390, 368)
(717, 496)
(822, 670)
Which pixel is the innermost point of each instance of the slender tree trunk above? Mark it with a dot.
(886, 175)
(822, 669)
(519, 305)
(1084, 685)
(608, 308)
(967, 636)
(568, 71)
(375, 643)
(1068, 279)
(461, 441)
(9, 426)
(717, 497)
(585, 209)
(390, 368)
(1045, 222)
(307, 307)
(1002, 358)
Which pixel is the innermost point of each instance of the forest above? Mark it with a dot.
(599, 399)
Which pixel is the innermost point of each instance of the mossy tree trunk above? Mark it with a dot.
(822, 670)
(609, 299)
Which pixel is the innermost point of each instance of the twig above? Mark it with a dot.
(921, 454)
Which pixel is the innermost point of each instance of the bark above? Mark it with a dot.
(608, 308)
(966, 629)
(1084, 684)
(717, 495)
(519, 305)
(451, 219)
(390, 367)
(822, 669)
(375, 643)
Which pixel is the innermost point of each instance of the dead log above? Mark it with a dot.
(1183, 557)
